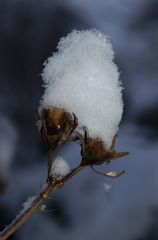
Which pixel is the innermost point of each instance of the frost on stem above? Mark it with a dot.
(82, 78)
(60, 168)
(26, 205)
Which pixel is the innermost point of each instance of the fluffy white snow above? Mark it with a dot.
(82, 78)
(60, 168)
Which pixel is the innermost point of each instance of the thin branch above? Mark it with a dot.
(37, 203)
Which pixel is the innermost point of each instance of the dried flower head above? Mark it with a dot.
(94, 153)
(57, 126)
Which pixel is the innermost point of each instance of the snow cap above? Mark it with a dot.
(82, 78)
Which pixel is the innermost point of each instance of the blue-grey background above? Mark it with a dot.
(83, 209)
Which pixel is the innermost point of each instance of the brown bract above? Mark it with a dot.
(57, 126)
(94, 153)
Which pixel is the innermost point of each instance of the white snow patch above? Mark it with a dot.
(43, 207)
(83, 79)
(60, 168)
(26, 205)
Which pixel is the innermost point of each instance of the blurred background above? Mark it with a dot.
(89, 207)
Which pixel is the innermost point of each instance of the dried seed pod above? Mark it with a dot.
(94, 153)
(57, 126)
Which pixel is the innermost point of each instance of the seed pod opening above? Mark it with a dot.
(57, 126)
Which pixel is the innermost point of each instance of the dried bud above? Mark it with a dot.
(94, 153)
(57, 126)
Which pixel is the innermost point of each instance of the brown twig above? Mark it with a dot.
(37, 203)
(50, 160)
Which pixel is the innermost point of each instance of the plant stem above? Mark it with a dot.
(50, 160)
(37, 203)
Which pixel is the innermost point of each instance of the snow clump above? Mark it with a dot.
(60, 168)
(82, 78)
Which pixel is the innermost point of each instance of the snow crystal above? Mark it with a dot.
(60, 168)
(83, 79)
